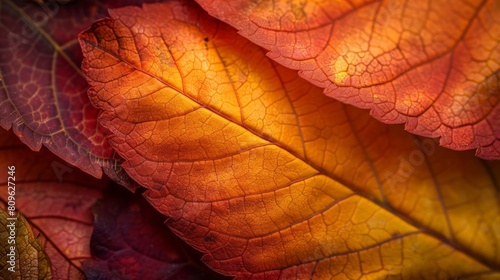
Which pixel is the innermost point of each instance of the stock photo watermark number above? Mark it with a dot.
(11, 221)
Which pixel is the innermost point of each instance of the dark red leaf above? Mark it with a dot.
(434, 65)
(130, 241)
(43, 95)
(55, 199)
(269, 177)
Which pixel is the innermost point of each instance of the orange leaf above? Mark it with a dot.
(434, 66)
(267, 176)
(55, 199)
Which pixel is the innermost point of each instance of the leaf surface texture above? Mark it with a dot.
(31, 261)
(267, 176)
(432, 65)
(130, 241)
(42, 91)
(56, 200)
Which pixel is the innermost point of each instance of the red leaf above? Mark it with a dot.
(130, 241)
(43, 93)
(55, 199)
(432, 65)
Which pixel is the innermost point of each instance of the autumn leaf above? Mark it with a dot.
(267, 176)
(23, 258)
(42, 90)
(55, 199)
(432, 65)
(130, 241)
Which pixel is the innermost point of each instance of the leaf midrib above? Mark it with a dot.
(320, 171)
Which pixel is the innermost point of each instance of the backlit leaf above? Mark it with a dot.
(55, 199)
(269, 177)
(434, 65)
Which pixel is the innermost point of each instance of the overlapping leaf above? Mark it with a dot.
(42, 91)
(130, 241)
(22, 253)
(432, 65)
(267, 176)
(55, 199)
